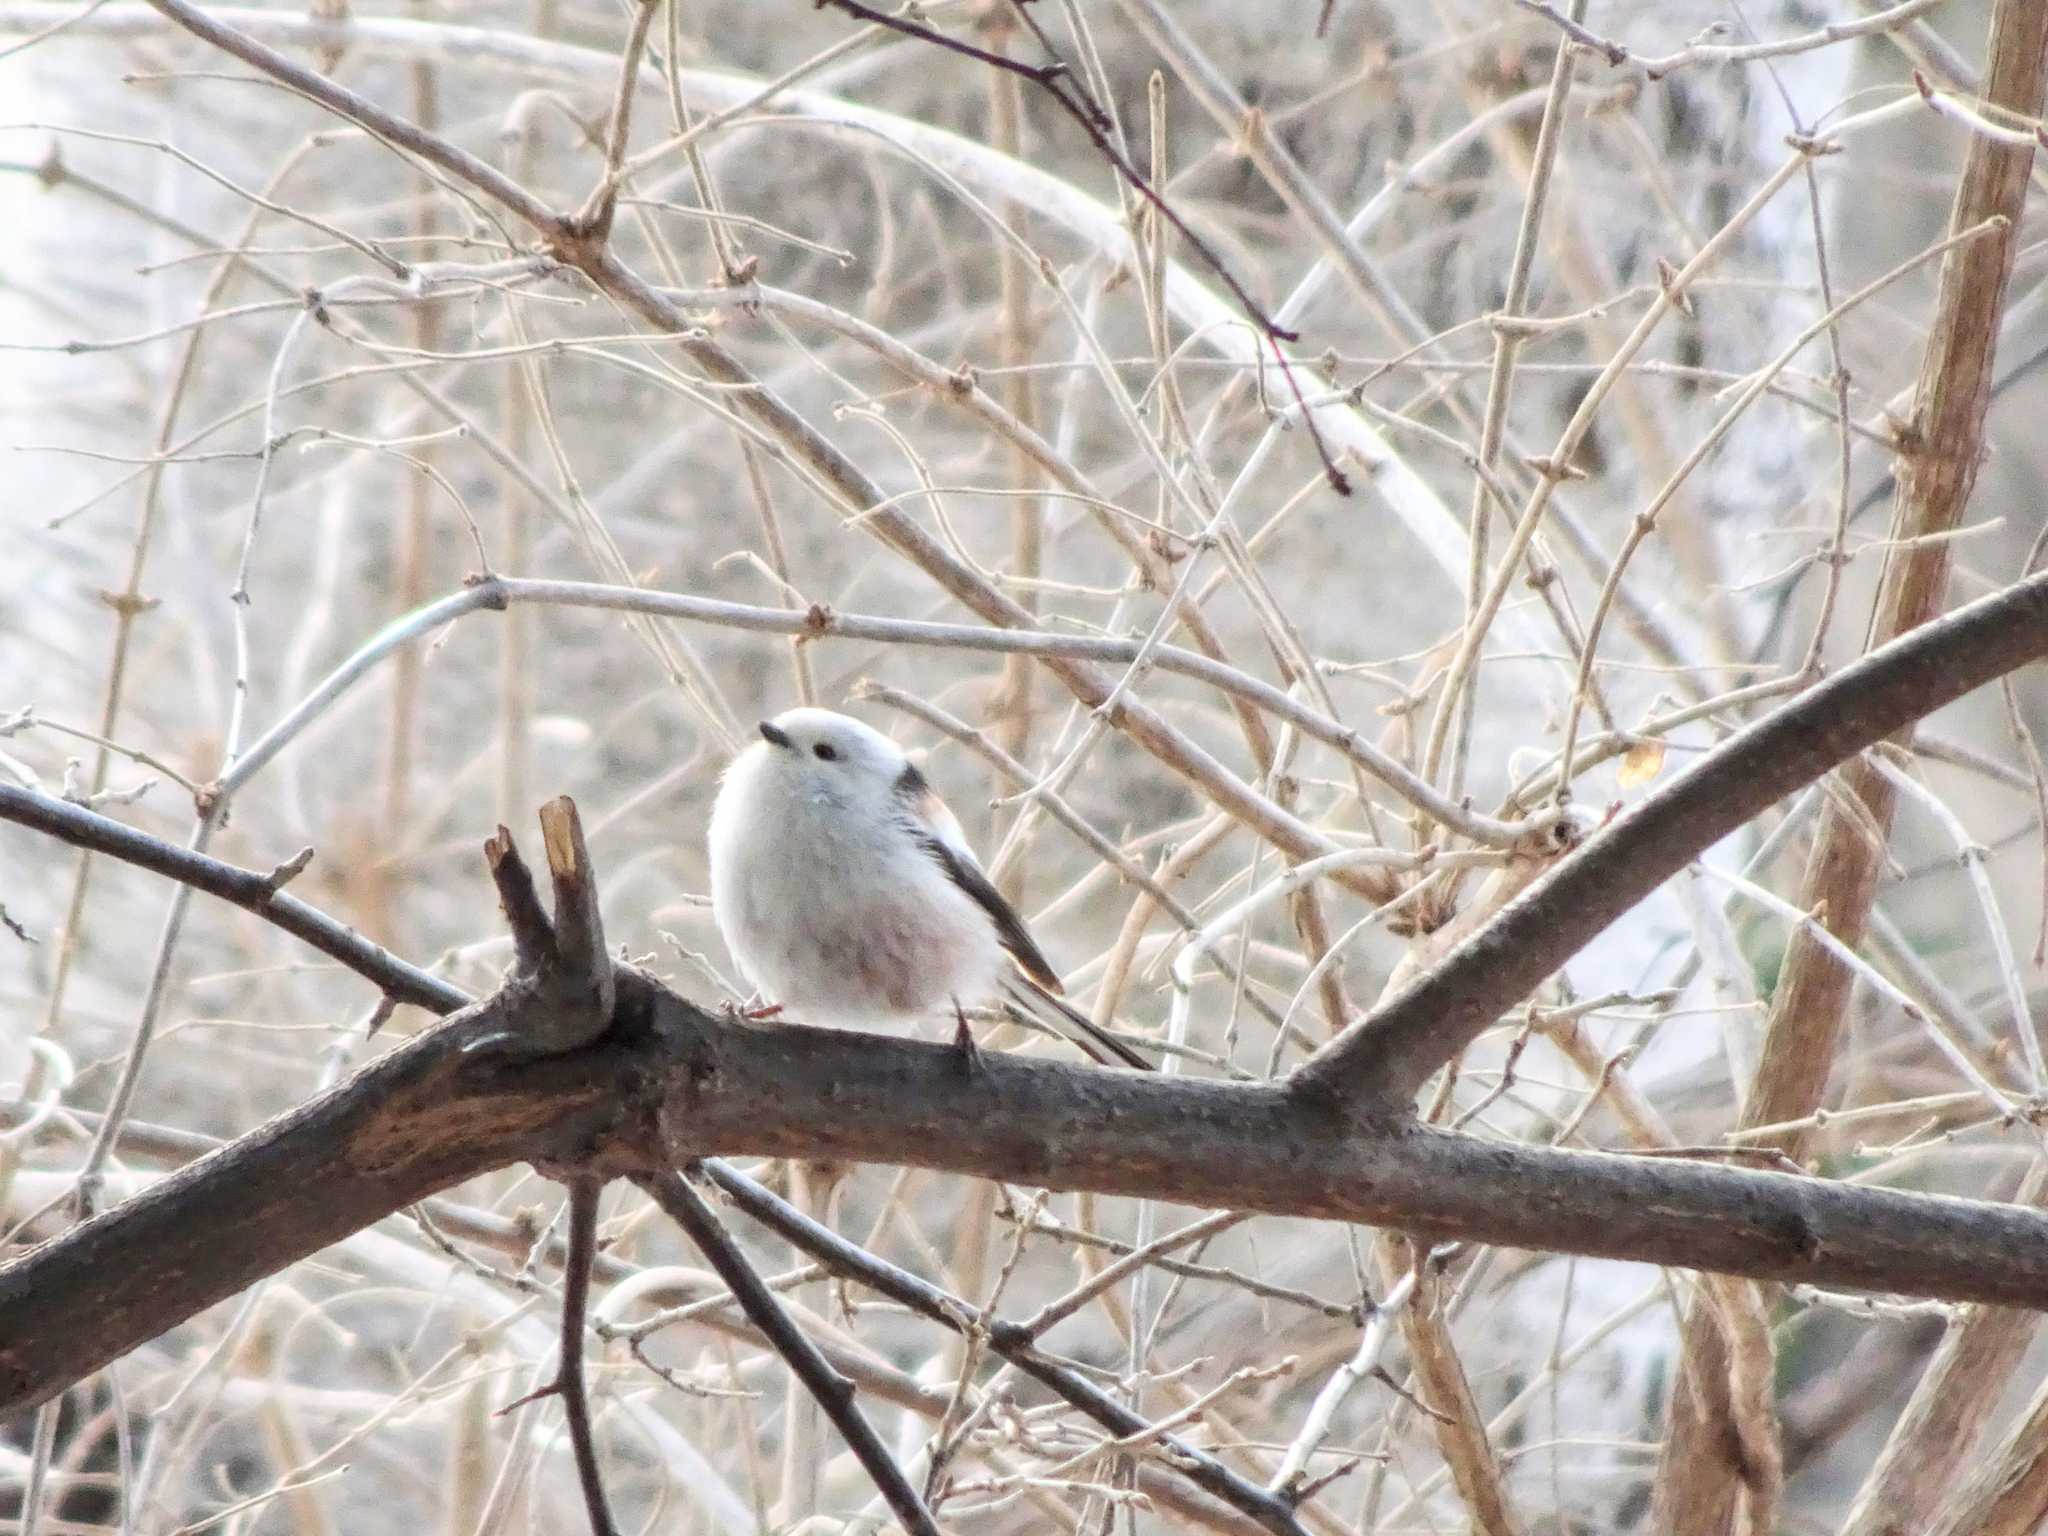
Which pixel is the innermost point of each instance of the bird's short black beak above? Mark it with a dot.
(774, 734)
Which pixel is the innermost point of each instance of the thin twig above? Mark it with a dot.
(842, 1257)
(569, 1384)
(252, 890)
(1056, 79)
(672, 1192)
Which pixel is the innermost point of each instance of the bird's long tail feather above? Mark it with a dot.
(1083, 1031)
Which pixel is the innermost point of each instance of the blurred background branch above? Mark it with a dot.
(730, 355)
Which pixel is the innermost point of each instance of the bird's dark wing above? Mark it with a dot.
(1010, 930)
(930, 823)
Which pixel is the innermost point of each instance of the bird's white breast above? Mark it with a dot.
(831, 909)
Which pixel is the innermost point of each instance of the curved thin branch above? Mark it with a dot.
(819, 623)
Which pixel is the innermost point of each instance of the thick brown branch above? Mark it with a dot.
(1392, 1052)
(669, 1082)
(412, 1122)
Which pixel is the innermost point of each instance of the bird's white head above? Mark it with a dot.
(831, 755)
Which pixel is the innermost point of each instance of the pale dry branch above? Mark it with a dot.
(1699, 52)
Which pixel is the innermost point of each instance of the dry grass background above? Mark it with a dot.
(357, 1391)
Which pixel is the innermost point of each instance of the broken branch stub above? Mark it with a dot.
(562, 990)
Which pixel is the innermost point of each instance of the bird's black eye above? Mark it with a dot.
(825, 752)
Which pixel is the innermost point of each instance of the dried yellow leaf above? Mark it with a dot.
(1640, 764)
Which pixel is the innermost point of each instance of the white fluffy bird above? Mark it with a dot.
(847, 892)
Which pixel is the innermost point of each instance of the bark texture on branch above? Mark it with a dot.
(410, 1123)
(669, 1082)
